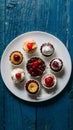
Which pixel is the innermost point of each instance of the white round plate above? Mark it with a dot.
(40, 38)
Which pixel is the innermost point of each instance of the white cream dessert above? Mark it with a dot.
(56, 64)
(47, 49)
(17, 75)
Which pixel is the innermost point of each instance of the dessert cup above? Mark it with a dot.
(35, 66)
(47, 49)
(16, 58)
(17, 75)
(49, 81)
(56, 65)
(29, 46)
(32, 87)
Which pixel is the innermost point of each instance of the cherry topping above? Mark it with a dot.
(55, 64)
(40, 72)
(29, 46)
(16, 57)
(35, 64)
(49, 81)
(30, 70)
(18, 75)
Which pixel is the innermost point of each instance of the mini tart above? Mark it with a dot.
(56, 65)
(47, 49)
(35, 66)
(29, 46)
(16, 57)
(32, 86)
(48, 81)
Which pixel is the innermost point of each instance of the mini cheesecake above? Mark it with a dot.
(48, 81)
(16, 57)
(29, 46)
(47, 49)
(32, 87)
(56, 65)
(17, 75)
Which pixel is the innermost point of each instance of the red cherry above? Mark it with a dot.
(18, 75)
(32, 73)
(40, 72)
(30, 70)
(29, 46)
(16, 57)
(35, 64)
(55, 64)
(49, 81)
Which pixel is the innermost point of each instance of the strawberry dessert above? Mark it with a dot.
(17, 75)
(36, 66)
(48, 81)
(56, 65)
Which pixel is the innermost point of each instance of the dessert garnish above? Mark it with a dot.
(18, 75)
(29, 46)
(49, 81)
(16, 57)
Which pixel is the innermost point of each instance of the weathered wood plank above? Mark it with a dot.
(70, 48)
(52, 16)
(19, 19)
(18, 114)
(2, 17)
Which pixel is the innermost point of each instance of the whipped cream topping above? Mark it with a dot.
(56, 64)
(14, 72)
(47, 50)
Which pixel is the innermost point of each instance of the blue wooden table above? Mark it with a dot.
(52, 16)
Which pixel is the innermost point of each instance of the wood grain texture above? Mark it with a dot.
(2, 15)
(55, 17)
(52, 16)
(19, 19)
(70, 48)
